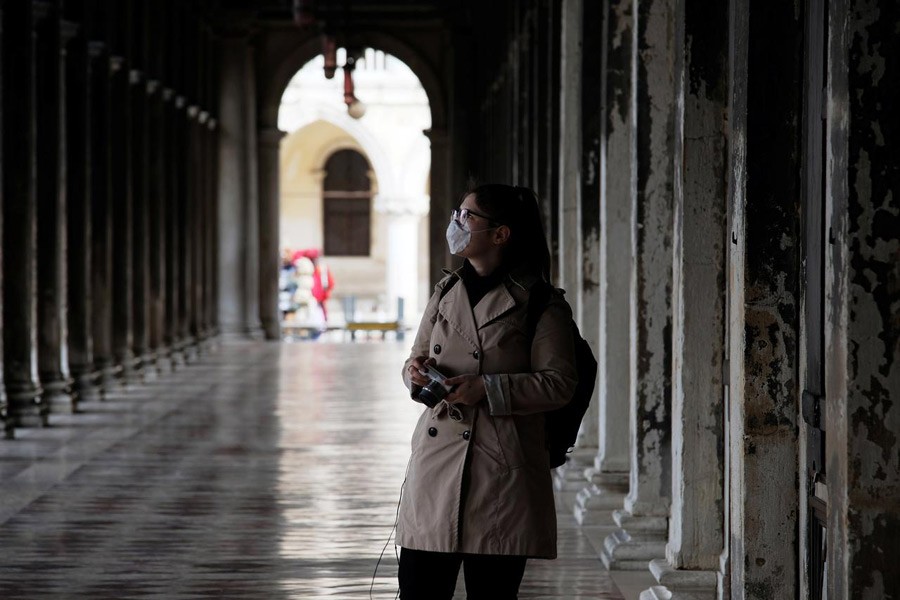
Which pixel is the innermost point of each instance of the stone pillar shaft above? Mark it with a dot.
(697, 525)
(609, 476)
(140, 220)
(238, 206)
(53, 364)
(269, 206)
(122, 208)
(643, 523)
(156, 196)
(23, 389)
(101, 214)
(79, 162)
(181, 151)
(171, 240)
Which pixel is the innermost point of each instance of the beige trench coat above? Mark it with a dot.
(479, 479)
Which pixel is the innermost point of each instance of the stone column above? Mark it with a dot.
(140, 225)
(402, 217)
(608, 480)
(212, 271)
(862, 354)
(79, 172)
(269, 207)
(122, 227)
(690, 570)
(101, 215)
(193, 209)
(569, 478)
(442, 203)
(238, 225)
(156, 200)
(172, 244)
(764, 299)
(8, 425)
(643, 522)
(23, 390)
(53, 363)
(202, 227)
(181, 150)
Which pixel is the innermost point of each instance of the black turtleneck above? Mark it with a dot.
(478, 286)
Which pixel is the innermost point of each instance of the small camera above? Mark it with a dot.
(435, 390)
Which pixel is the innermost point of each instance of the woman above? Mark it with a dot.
(478, 490)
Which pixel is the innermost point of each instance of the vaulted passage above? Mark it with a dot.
(719, 185)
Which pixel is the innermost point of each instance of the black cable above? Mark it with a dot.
(391, 535)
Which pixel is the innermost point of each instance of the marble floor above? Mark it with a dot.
(265, 471)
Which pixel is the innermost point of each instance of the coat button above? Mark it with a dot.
(475, 355)
(437, 348)
(466, 435)
(432, 431)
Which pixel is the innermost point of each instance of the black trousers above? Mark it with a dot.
(432, 575)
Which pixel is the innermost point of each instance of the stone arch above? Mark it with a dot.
(281, 74)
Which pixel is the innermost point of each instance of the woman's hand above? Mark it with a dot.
(469, 389)
(419, 363)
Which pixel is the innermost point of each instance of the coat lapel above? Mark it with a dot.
(495, 303)
(454, 306)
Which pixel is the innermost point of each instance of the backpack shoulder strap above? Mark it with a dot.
(452, 279)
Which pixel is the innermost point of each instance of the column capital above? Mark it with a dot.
(180, 102)
(193, 110)
(203, 117)
(152, 86)
(212, 124)
(40, 10)
(168, 94)
(135, 76)
(116, 63)
(68, 30)
(96, 48)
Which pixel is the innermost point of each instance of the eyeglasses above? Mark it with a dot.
(461, 215)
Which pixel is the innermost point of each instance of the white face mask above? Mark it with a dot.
(457, 237)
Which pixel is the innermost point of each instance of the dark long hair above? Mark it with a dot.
(517, 208)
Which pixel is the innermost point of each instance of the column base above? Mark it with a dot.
(25, 406)
(85, 387)
(605, 493)
(569, 477)
(149, 370)
(108, 378)
(638, 540)
(681, 584)
(58, 395)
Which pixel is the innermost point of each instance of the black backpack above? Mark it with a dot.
(561, 425)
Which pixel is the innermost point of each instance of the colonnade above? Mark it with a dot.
(109, 198)
(682, 166)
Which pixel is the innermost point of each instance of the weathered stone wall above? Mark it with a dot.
(764, 307)
(863, 308)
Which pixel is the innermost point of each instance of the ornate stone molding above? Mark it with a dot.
(401, 206)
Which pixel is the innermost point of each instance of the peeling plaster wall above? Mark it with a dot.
(764, 306)
(651, 333)
(589, 305)
(863, 307)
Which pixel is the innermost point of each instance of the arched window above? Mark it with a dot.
(347, 200)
